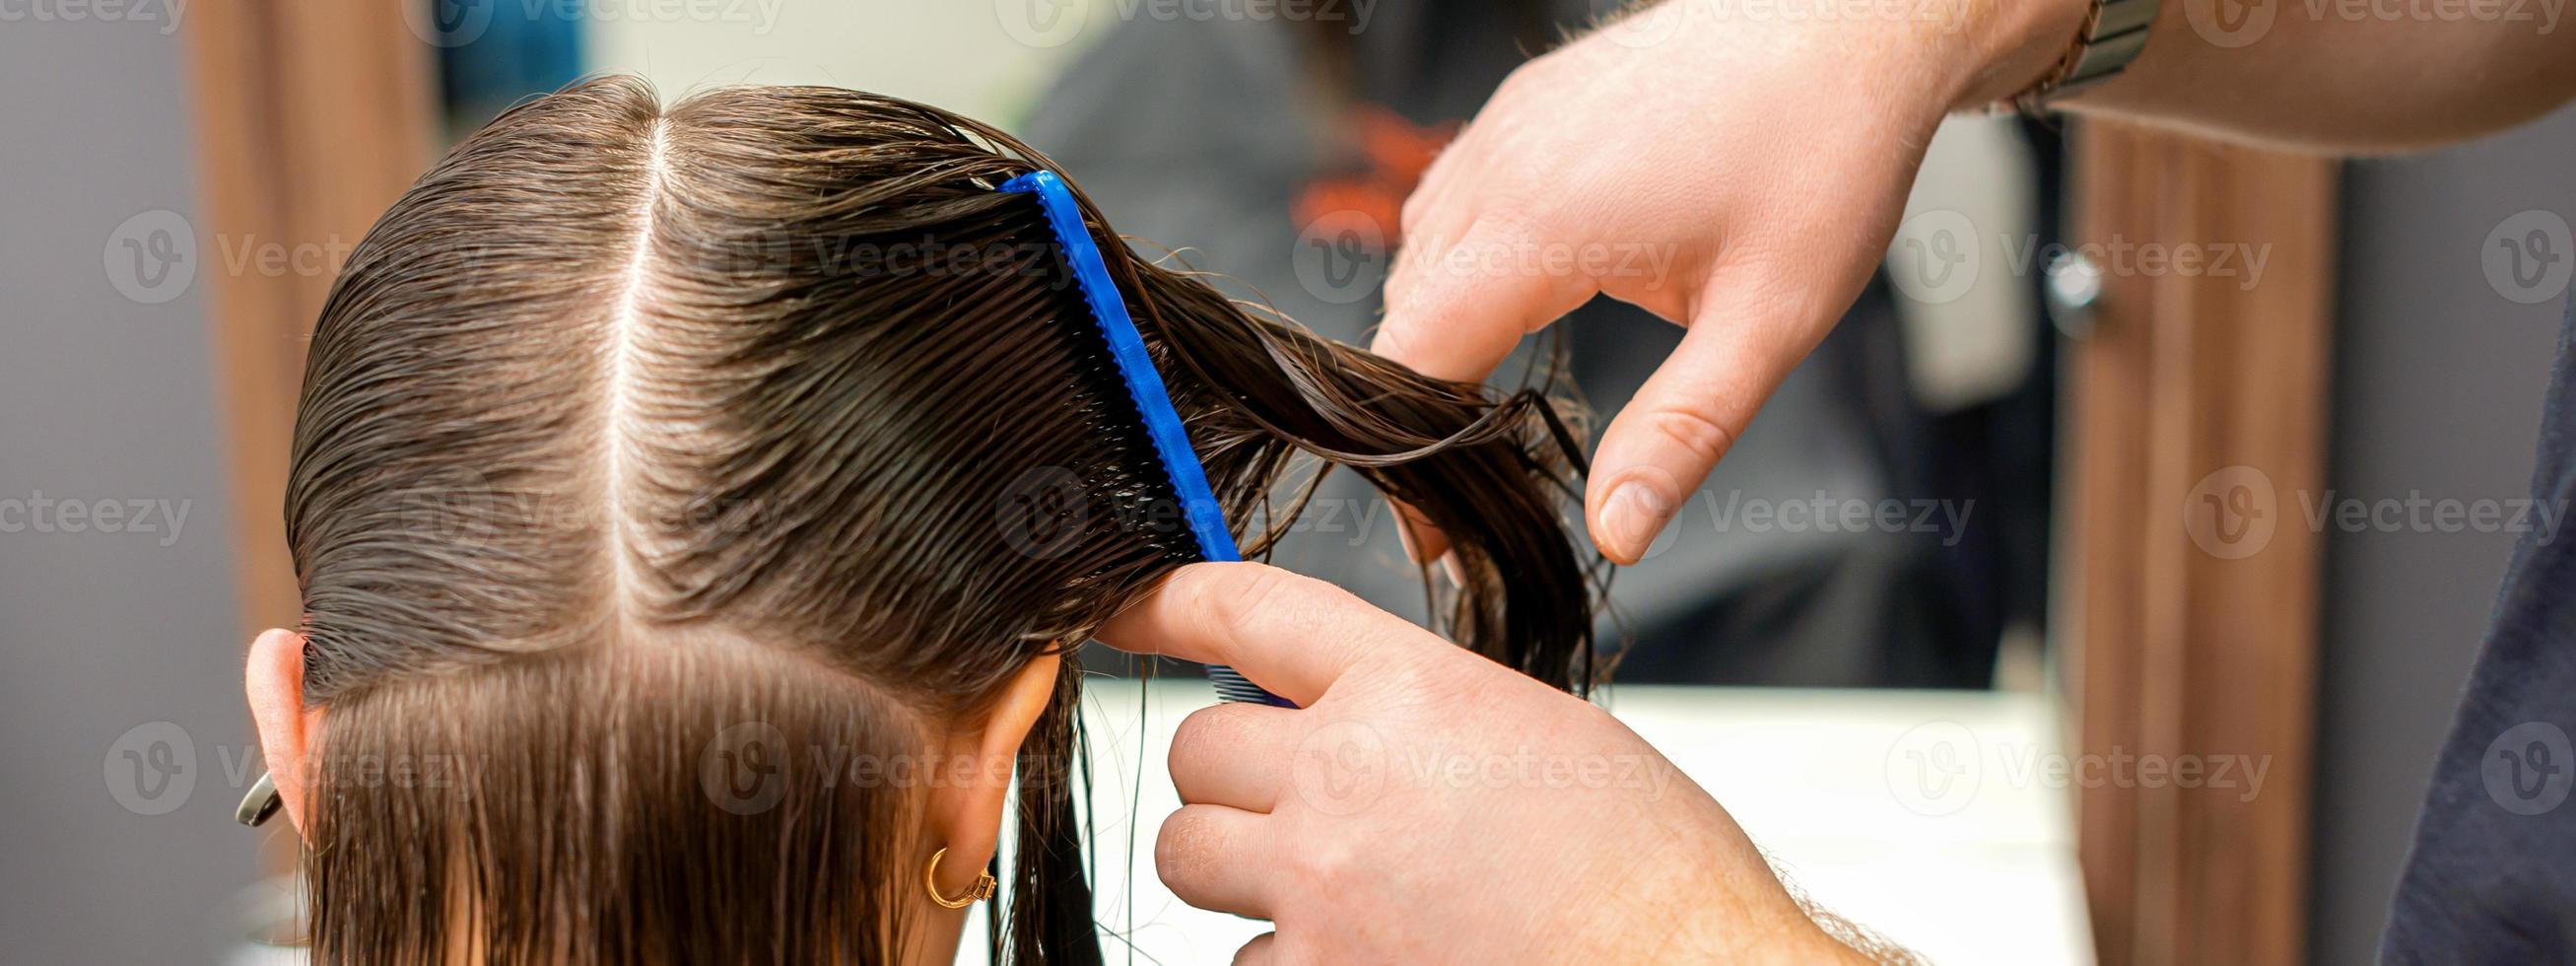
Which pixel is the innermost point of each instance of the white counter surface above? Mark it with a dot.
(1927, 816)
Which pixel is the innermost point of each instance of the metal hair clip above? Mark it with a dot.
(262, 802)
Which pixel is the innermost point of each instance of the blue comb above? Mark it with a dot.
(1144, 385)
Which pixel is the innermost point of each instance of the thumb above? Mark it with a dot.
(1689, 414)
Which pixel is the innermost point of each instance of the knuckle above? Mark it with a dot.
(1416, 209)
(1281, 950)
(1260, 593)
(1327, 863)
(1510, 222)
(1521, 83)
(1293, 952)
(1395, 340)
(1694, 431)
(1411, 672)
(1198, 736)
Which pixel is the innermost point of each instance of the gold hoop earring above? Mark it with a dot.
(980, 891)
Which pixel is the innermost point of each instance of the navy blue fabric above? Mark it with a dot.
(2491, 877)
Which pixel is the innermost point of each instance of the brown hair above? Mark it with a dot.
(637, 445)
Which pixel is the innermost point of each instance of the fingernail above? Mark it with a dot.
(1404, 535)
(1637, 509)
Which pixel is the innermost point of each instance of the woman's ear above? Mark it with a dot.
(966, 805)
(275, 682)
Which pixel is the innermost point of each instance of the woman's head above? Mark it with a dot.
(693, 508)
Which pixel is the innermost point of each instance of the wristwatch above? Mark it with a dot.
(2114, 32)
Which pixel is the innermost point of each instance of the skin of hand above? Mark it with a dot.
(1740, 176)
(1424, 804)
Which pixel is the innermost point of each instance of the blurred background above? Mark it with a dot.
(2064, 486)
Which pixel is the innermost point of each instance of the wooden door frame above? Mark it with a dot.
(2196, 413)
(311, 118)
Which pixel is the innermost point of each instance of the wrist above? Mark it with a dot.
(2011, 45)
(1810, 944)
(1768, 926)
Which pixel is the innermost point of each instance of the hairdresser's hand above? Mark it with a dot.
(1739, 175)
(1425, 804)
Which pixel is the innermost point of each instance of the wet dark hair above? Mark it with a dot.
(634, 442)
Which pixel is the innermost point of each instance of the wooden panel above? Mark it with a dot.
(2196, 621)
(311, 118)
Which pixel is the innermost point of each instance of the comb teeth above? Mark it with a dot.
(1128, 482)
(1232, 686)
(1126, 405)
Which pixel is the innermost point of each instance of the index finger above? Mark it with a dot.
(1456, 310)
(1292, 635)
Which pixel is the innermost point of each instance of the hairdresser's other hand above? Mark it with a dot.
(1424, 804)
(1736, 174)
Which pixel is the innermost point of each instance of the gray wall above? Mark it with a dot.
(104, 398)
(2438, 385)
